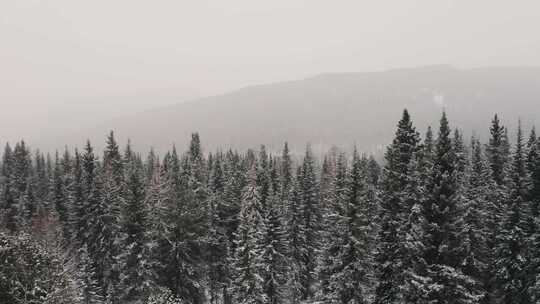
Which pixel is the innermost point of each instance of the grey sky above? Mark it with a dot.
(78, 62)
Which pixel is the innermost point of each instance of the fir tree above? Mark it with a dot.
(311, 223)
(443, 251)
(60, 197)
(90, 290)
(394, 181)
(351, 281)
(247, 283)
(512, 240)
(273, 251)
(497, 150)
(137, 277)
(296, 239)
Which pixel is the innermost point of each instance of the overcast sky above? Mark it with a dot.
(79, 61)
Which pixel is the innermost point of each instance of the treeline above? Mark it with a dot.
(443, 220)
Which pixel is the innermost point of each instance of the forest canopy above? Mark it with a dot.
(442, 219)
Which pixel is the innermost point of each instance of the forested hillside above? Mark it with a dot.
(330, 109)
(443, 219)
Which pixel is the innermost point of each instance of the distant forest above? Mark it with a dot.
(441, 219)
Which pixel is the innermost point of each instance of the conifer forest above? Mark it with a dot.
(441, 219)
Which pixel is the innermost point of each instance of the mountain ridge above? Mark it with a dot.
(336, 109)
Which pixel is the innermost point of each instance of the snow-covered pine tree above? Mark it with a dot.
(159, 201)
(286, 174)
(10, 215)
(374, 170)
(247, 287)
(218, 245)
(86, 195)
(352, 279)
(533, 195)
(77, 210)
(444, 253)
(20, 186)
(415, 284)
(334, 198)
(105, 233)
(296, 240)
(60, 196)
(497, 150)
(272, 266)
(481, 220)
(533, 161)
(90, 290)
(394, 181)
(328, 199)
(311, 223)
(187, 214)
(137, 278)
(263, 176)
(511, 260)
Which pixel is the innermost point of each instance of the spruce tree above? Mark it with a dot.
(352, 279)
(272, 266)
(311, 223)
(497, 150)
(393, 209)
(106, 235)
(218, 246)
(297, 242)
(512, 239)
(415, 285)
(442, 212)
(247, 283)
(136, 267)
(90, 290)
(60, 197)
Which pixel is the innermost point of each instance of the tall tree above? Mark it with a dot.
(296, 239)
(352, 281)
(497, 150)
(273, 251)
(394, 182)
(512, 240)
(137, 279)
(247, 283)
(443, 252)
(311, 222)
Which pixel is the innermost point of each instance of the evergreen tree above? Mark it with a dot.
(497, 150)
(352, 280)
(481, 221)
(311, 223)
(87, 196)
(218, 251)
(327, 200)
(247, 283)
(90, 290)
(443, 252)
(137, 277)
(512, 240)
(273, 251)
(60, 197)
(415, 285)
(286, 173)
(296, 240)
(394, 181)
(105, 233)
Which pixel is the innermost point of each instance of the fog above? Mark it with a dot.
(65, 64)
